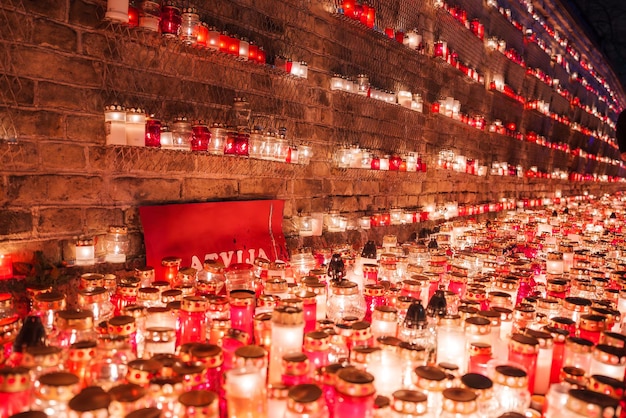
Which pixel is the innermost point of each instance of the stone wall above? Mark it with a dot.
(61, 64)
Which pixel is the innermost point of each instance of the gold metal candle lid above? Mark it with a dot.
(45, 356)
(82, 351)
(510, 376)
(327, 375)
(385, 313)
(242, 298)
(287, 315)
(480, 349)
(345, 287)
(459, 401)
(295, 364)
(592, 323)
(410, 402)
(194, 304)
(591, 404)
(30, 414)
(577, 304)
(613, 338)
(355, 382)
(477, 325)
(92, 295)
(609, 354)
(52, 300)
(171, 261)
(305, 399)
(363, 354)
(578, 345)
(316, 341)
(573, 375)
(91, 398)
(198, 398)
(78, 319)
(524, 344)
(127, 392)
(14, 379)
(151, 412)
(609, 386)
(430, 378)
(373, 290)
(412, 352)
(545, 339)
(160, 334)
(121, 325)
(91, 280)
(210, 355)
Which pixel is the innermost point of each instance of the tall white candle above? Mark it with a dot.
(287, 336)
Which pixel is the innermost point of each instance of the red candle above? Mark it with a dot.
(390, 32)
(133, 15)
(348, 8)
(224, 42)
(6, 267)
(371, 17)
(253, 51)
(261, 58)
(203, 35)
(233, 45)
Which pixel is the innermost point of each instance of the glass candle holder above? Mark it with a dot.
(544, 360)
(432, 381)
(192, 320)
(200, 137)
(53, 391)
(384, 321)
(153, 132)
(135, 127)
(354, 393)
(459, 402)
(149, 15)
(245, 393)
(608, 361)
(117, 11)
(581, 401)
(306, 400)
(345, 300)
(116, 244)
(510, 388)
(286, 335)
(181, 134)
(451, 347)
(189, 26)
(84, 252)
(90, 402)
(295, 369)
(577, 353)
(171, 19)
(115, 124)
(523, 350)
(198, 404)
(203, 35)
(242, 308)
(317, 348)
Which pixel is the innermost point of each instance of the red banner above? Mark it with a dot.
(233, 232)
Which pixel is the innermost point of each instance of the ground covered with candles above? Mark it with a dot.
(516, 316)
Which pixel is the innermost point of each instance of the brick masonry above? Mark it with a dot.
(61, 64)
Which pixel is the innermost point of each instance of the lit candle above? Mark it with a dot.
(608, 361)
(117, 10)
(6, 266)
(245, 393)
(286, 336)
(115, 123)
(85, 252)
(135, 127)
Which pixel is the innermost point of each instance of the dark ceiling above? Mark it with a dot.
(605, 23)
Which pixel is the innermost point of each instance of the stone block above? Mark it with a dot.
(39, 123)
(85, 14)
(98, 220)
(49, 189)
(54, 35)
(307, 187)
(49, 65)
(197, 189)
(86, 128)
(14, 222)
(58, 96)
(262, 187)
(134, 190)
(62, 156)
(60, 220)
(22, 89)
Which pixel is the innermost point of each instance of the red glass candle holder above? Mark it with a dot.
(6, 266)
(224, 42)
(523, 350)
(394, 162)
(390, 33)
(153, 132)
(133, 15)
(203, 35)
(375, 164)
(261, 57)
(200, 137)
(171, 19)
(229, 143)
(253, 51)
(348, 8)
(233, 45)
(242, 141)
(371, 17)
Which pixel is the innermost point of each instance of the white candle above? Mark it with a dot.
(115, 125)
(135, 128)
(387, 372)
(245, 393)
(244, 48)
(117, 10)
(85, 255)
(287, 336)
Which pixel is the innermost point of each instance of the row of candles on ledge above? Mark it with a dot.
(450, 107)
(361, 86)
(183, 24)
(356, 157)
(530, 35)
(468, 323)
(563, 42)
(315, 224)
(133, 127)
(495, 44)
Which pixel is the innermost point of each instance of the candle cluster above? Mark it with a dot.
(449, 160)
(361, 86)
(356, 157)
(134, 127)
(184, 25)
(472, 319)
(442, 51)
